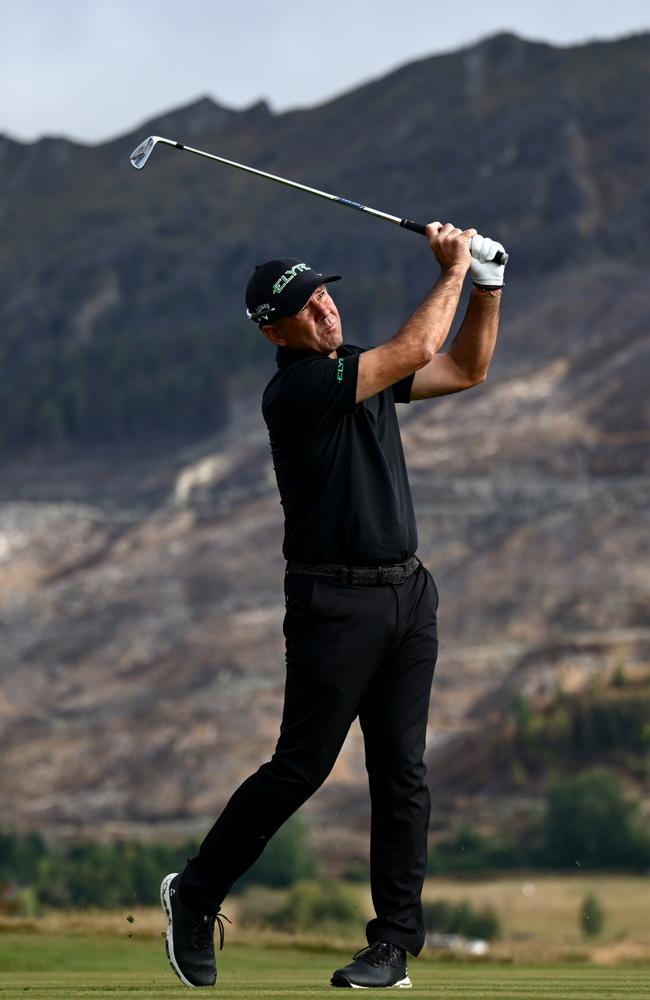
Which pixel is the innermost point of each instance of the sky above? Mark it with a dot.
(92, 69)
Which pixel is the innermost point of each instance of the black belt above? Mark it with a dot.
(369, 576)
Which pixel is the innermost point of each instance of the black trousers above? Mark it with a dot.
(352, 651)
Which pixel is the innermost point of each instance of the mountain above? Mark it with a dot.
(141, 658)
(121, 313)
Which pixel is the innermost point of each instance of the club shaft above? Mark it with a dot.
(288, 183)
(415, 227)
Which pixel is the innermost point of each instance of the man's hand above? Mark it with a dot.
(450, 246)
(485, 271)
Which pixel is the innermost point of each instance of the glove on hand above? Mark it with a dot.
(484, 270)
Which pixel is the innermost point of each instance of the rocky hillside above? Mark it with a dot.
(141, 660)
(121, 314)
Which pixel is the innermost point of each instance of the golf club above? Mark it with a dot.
(141, 154)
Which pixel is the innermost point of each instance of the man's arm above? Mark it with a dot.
(467, 361)
(415, 344)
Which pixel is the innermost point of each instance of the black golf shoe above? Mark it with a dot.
(190, 937)
(380, 965)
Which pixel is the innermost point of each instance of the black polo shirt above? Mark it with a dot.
(339, 464)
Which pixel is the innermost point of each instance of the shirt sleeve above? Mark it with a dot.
(402, 389)
(321, 388)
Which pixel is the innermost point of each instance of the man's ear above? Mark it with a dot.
(268, 330)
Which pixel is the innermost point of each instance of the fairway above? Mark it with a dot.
(43, 967)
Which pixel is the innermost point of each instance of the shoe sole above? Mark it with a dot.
(169, 937)
(402, 984)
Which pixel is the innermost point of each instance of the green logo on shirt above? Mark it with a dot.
(339, 372)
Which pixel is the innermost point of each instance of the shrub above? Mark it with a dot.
(521, 710)
(610, 722)
(89, 873)
(357, 872)
(287, 858)
(322, 904)
(468, 850)
(20, 855)
(592, 916)
(444, 917)
(590, 822)
(96, 873)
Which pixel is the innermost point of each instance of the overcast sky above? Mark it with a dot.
(91, 69)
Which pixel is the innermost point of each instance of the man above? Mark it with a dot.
(360, 621)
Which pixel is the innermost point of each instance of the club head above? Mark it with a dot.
(141, 153)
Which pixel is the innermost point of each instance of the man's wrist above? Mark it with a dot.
(487, 288)
(455, 272)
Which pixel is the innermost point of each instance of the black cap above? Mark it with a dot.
(281, 288)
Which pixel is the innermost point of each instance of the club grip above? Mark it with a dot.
(415, 227)
(500, 257)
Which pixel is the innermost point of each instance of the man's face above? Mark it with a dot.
(316, 327)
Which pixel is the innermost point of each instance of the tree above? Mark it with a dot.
(592, 916)
(287, 858)
(590, 823)
(326, 903)
(442, 916)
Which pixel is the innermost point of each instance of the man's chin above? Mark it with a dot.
(334, 340)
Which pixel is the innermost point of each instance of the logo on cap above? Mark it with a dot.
(288, 276)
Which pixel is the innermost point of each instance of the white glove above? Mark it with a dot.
(484, 269)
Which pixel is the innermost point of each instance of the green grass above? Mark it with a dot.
(71, 966)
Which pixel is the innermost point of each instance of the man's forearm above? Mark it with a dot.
(428, 327)
(416, 343)
(473, 346)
